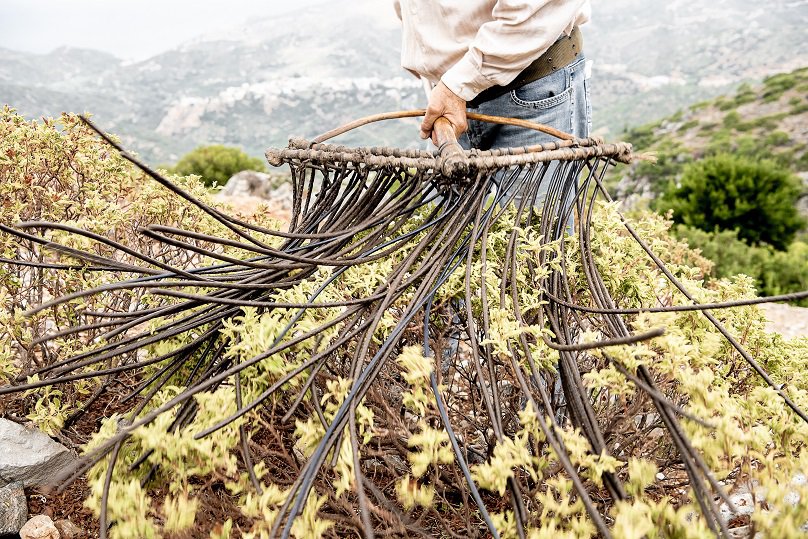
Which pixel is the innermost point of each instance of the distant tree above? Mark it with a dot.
(729, 192)
(216, 164)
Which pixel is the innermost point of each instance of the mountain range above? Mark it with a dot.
(308, 71)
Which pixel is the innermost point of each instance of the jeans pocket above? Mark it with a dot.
(544, 93)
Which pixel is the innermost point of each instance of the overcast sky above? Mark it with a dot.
(130, 29)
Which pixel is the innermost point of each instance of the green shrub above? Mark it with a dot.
(708, 128)
(802, 162)
(723, 103)
(701, 105)
(729, 255)
(216, 164)
(732, 119)
(688, 125)
(777, 138)
(745, 94)
(727, 192)
(775, 272)
(787, 271)
(643, 136)
(799, 108)
(777, 85)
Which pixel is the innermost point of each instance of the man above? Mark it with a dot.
(477, 54)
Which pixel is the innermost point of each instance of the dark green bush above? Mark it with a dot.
(732, 119)
(729, 192)
(745, 94)
(777, 138)
(799, 108)
(216, 164)
(802, 162)
(688, 125)
(708, 128)
(777, 85)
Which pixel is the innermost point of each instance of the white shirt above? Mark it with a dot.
(472, 45)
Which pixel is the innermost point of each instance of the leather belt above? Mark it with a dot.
(560, 54)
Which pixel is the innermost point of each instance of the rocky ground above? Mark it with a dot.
(790, 322)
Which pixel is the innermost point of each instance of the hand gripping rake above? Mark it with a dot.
(428, 219)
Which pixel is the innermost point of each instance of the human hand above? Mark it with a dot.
(444, 102)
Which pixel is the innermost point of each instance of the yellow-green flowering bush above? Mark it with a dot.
(59, 171)
(746, 435)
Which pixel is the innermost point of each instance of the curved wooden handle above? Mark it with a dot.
(452, 158)
(420, 112)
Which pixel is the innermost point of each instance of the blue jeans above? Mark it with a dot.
(559, 100)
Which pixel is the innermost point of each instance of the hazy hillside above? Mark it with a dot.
(766, 121)
(653, 57)
(317, 68)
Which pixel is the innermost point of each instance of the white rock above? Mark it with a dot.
(248, 183)
(39, 527)
(282, 194)
(30, 456)
(68, 530)
(793, 497)
(744, 503)
(741, 532)
(13, 508)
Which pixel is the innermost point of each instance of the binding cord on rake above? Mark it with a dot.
(354, 206)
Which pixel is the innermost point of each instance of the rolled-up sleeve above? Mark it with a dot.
(520, 32)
